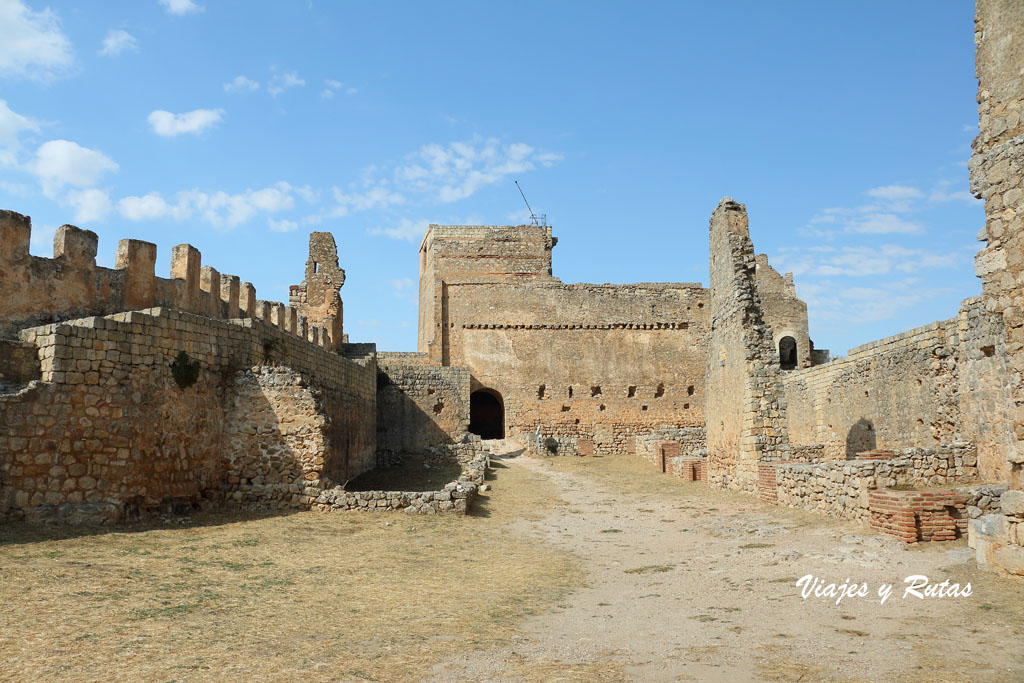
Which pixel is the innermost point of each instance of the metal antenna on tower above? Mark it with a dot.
(534, 218)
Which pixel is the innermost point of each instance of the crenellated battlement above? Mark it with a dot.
(37, 290)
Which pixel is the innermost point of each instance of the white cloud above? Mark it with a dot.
(181, 7)
(333, 87)
(895, 192)
(31, 43)
(61, 162)
(41, 242)
(379, 197)
(12, 125)
(882, 224)
(149, 207)
(944, 192)
(406, 229)
(167, 124)
(401, 284)
(460, 169)
(220, 209)
(829, 302)
(308, 194)
(118, 41)
(856, 261)
(241, 84)
(283, 225)
(404, 288)
(90, 205)
(280, 82)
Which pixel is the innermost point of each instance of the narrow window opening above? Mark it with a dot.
(595, 391)
(540, 391)
(660, 391)
(631, 392)
(689, 390)
(570, 392)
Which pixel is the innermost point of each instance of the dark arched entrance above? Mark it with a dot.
(787, 353)
(487, 414)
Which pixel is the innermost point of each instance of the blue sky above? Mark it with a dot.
(238, 127)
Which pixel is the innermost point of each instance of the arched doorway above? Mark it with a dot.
(787, 353)
(487, 414)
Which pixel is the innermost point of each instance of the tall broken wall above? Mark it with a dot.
(107, 427)
(997, 176)
(744, 406)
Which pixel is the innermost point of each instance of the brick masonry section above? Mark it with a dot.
(915, 516)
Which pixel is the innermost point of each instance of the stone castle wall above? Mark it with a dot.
(107, 428)
(36, 291)
(899, 391)
(590, 367)
(418, 405)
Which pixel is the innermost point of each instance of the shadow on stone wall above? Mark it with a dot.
(403, 425)
(861, 437)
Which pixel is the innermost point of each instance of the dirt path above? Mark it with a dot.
(684, 583)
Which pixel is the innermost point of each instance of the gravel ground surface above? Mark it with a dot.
(684, 583)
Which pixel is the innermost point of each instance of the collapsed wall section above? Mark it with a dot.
(744, 407)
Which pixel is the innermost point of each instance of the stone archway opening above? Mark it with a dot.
(787, 353)
(487, 414)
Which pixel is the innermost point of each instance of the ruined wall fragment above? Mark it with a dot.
(744, 407)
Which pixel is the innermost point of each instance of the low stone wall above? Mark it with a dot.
(320, 494)
(692, 441)
(840, 489)
(998, 538)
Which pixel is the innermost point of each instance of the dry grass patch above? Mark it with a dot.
(320, 596)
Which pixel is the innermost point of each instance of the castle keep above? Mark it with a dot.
(121, 391)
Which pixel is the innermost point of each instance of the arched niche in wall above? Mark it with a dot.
(787, 353)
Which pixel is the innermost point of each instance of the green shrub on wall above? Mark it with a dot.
(185, 370)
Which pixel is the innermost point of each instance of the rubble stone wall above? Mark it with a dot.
(113, 426)
(840, 489)
(745, 409)
(997, 176)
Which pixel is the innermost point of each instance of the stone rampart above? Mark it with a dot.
(36, 290)
(144, 407)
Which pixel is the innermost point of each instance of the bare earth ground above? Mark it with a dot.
(574, 569)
